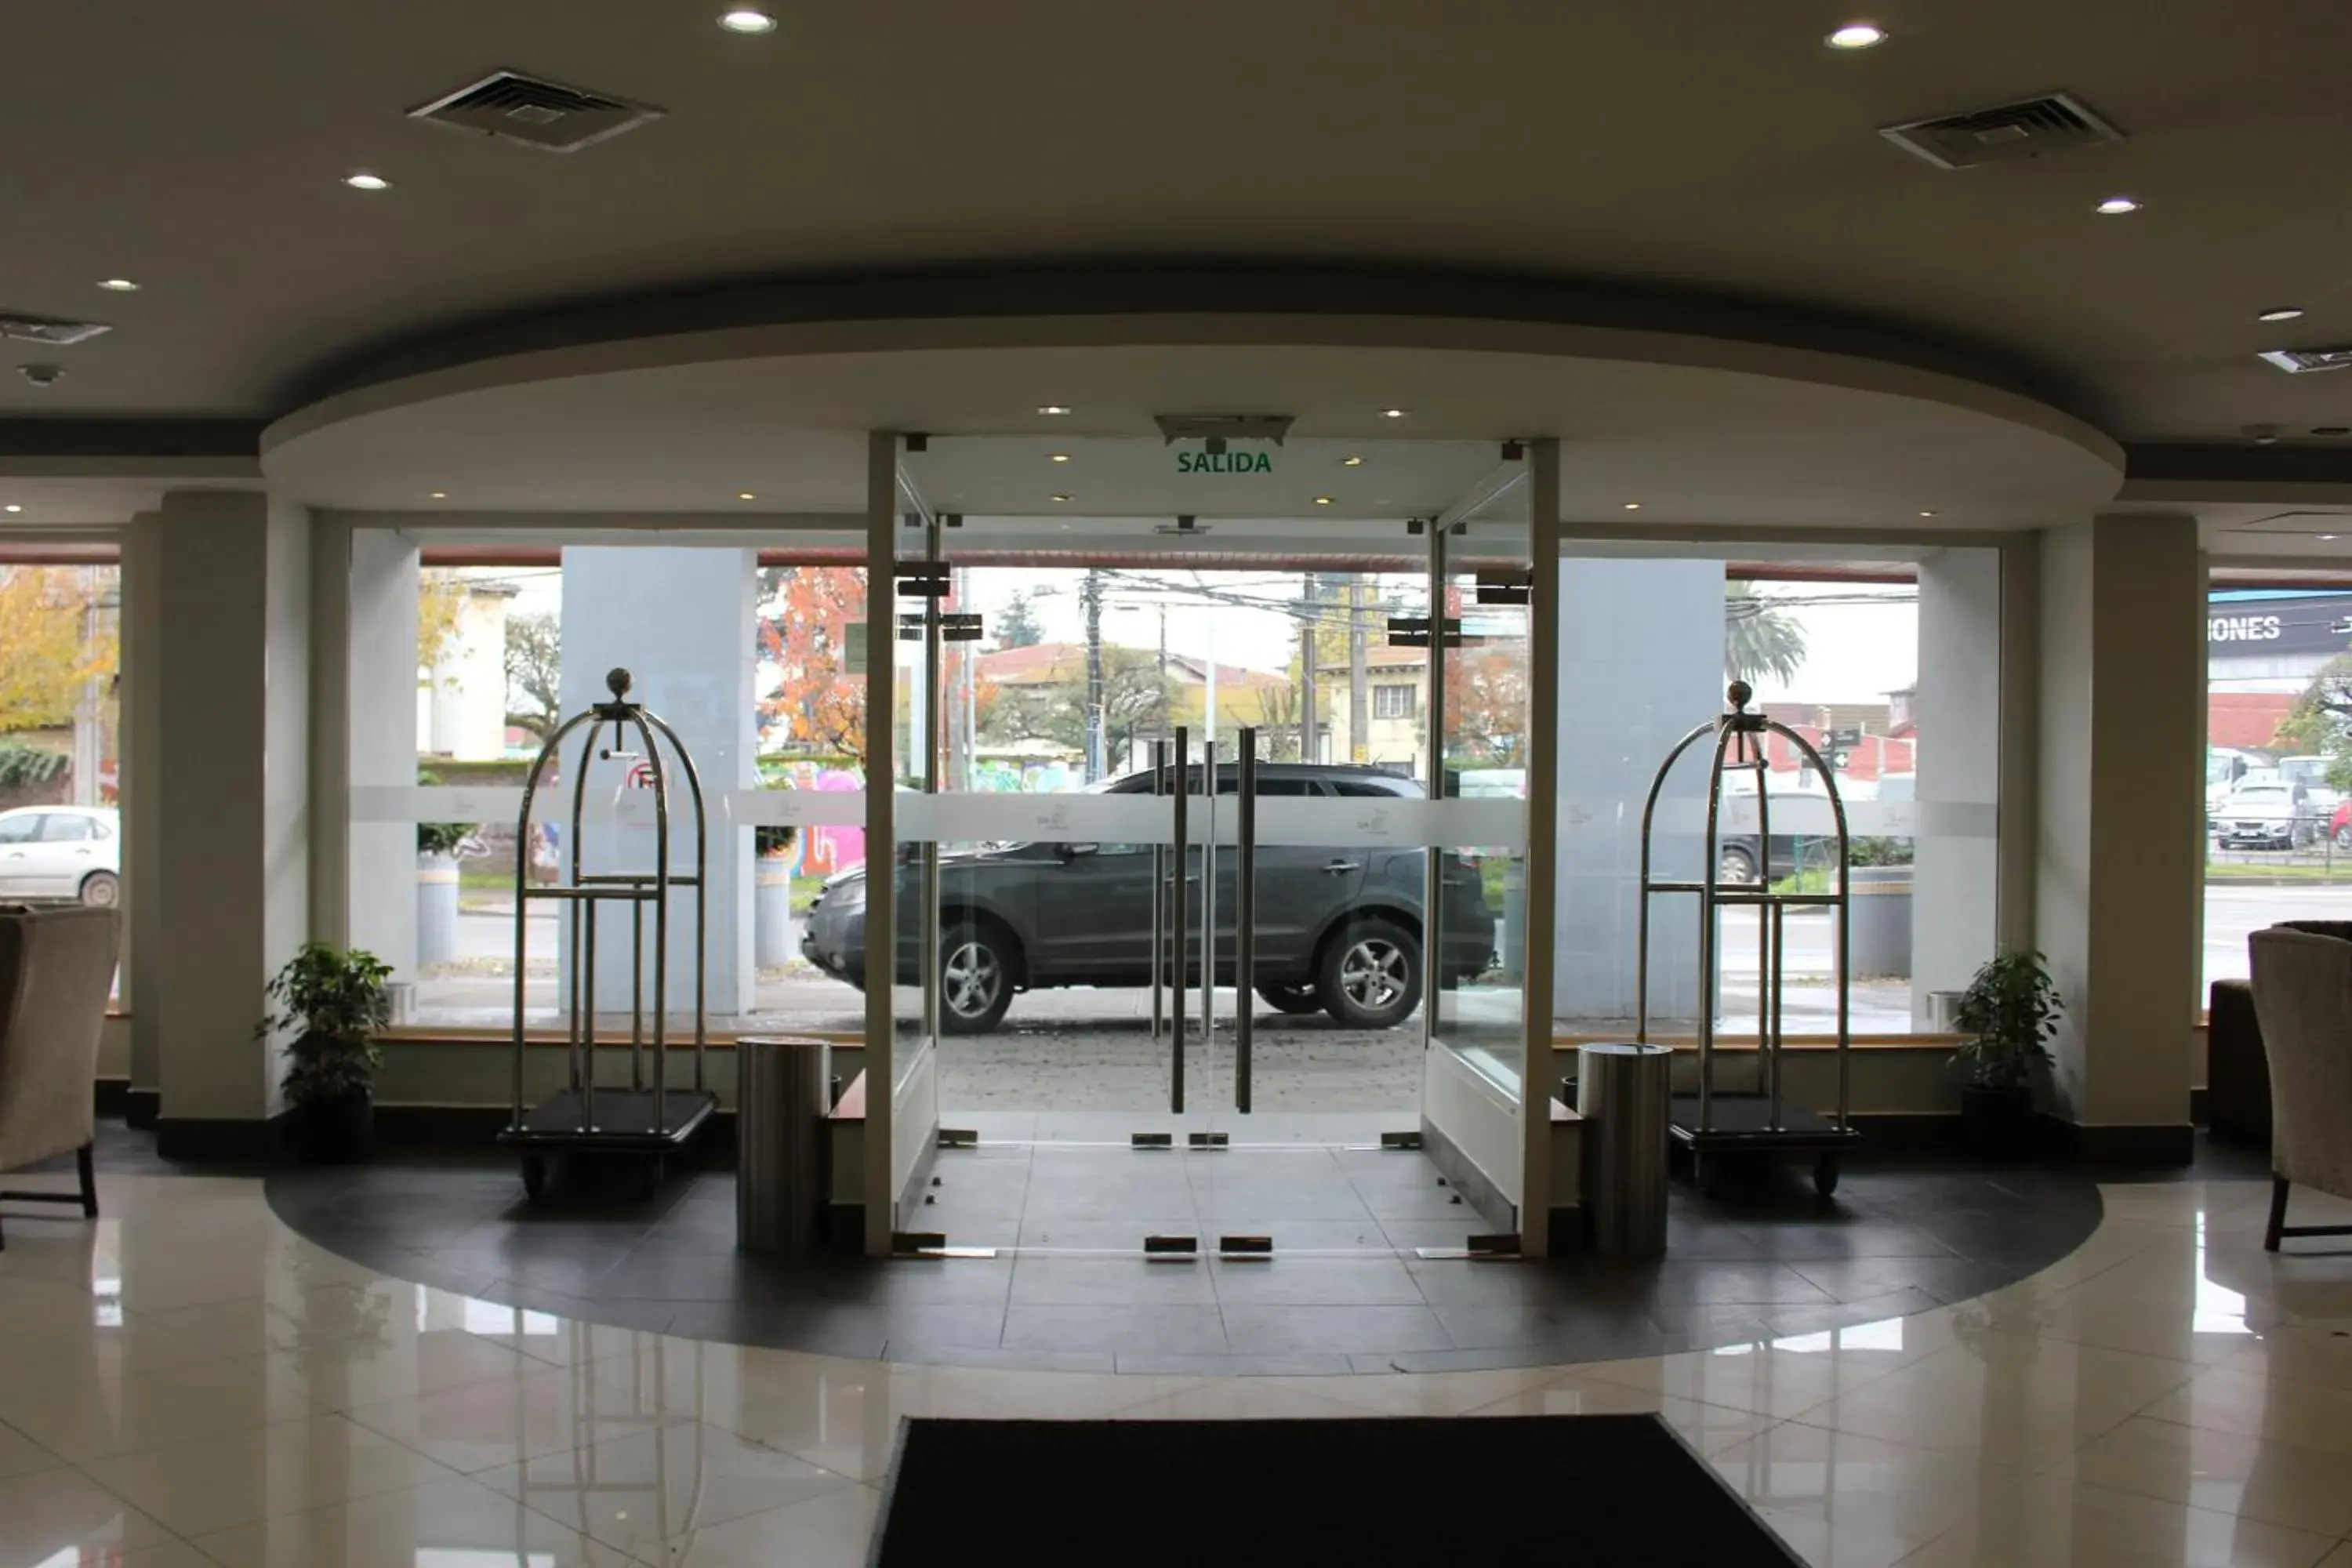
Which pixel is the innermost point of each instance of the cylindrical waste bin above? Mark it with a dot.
(782, 1097)
(1622, 1093)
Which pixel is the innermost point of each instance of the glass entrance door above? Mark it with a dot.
(1119, 940)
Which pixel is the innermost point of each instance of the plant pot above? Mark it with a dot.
(1996, 1121)
(339, 1131)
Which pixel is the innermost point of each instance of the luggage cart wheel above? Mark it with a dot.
(534, 1176)
(1825, 1174)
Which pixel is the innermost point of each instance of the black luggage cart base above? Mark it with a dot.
(1742, 1125)
(625, 1126)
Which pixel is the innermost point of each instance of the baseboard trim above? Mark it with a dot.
(2199, 1112)
(220, 1140)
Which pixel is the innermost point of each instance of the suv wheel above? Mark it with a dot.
(100, 891)
(975, 979)
(1733, 864)
(1293, 999)
(1370, 976)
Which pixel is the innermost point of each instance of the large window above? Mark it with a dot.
(465, 660)
(1885, 661)
(60, 827)
(2278, 763)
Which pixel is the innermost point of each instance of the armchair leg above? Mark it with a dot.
(2278, 1215)
(85, 1157)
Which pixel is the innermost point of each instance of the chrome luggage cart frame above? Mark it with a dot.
(647, 1122)
(1716, 1123)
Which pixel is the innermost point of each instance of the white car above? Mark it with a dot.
(63, 853)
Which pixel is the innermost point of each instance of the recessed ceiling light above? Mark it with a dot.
(1926, 515)
(364, 181)
(1322, 500)
(1061, 457)
(14, 507)
(2116, 205)
(119, 285)
(1351, 462)
(2279, 314)
(1392, 413)
(745, 495)
(1856, 36)
(2265, 440)
(1632, 506)
(440, 495)
(2327, 536)
(1063, 496)
(1053, 408)
(744, 20)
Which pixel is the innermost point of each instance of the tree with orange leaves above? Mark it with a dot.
(805, 617)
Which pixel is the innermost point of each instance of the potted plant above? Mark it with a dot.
(331, 1001)
(2008, 1013)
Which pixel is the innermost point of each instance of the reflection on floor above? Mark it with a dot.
(186, 1382)
(1345, 1291)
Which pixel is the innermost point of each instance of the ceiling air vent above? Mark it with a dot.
(2303, 362)
(537, 113)
(2035, 128)
(47, 328)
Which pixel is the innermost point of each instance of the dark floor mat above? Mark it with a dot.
(1617, 1489)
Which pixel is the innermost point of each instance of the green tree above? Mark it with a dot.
(1016, 625)
(1133, 694)
(1759, 638)
(534, 672)
(2320, 722)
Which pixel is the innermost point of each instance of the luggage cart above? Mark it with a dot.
(644, 1122)
(1716, 1123)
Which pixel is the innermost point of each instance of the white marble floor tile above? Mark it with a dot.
(211, 1483)
(451, 1522)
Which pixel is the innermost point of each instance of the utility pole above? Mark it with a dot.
(1360, 719)
(1090, 596)
(1307, 629)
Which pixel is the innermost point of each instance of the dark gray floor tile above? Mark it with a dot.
(998, 1356)
(1314, 1281)
(909, 1324)
(1859, 1278)
(1733, 1281)
(1331, 1365)
(1118, 1331)
(1285, 1331)
(1046, 1281)
(1109, 1234)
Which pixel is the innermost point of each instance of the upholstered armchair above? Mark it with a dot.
(2302, 996)
(57, 967)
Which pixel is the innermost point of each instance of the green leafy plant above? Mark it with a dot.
(331, 1001)
(1879, 852)
(2010, 1013)
(438, 837)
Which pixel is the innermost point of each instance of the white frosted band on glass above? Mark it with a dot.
(795, 807)
(440, 802)
(1036, 818)
(1808, 816)
(1445, 824)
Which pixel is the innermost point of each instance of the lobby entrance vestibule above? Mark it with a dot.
(1208, 842)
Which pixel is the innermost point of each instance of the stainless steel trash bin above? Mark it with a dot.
(1622, 1093)
(783, 1093)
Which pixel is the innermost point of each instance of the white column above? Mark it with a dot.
(680, 621)
(1956, 881)
(2121, 819)
(227, 868)
(381, 589)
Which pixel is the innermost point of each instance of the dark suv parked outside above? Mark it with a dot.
(1338, 930)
